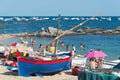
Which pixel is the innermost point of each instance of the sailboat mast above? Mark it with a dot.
(56, 41)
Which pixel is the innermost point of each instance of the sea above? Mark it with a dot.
(109, 44)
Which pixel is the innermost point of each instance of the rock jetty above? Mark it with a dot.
(87, 30)
(51, 32)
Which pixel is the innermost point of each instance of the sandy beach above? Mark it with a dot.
(6, 75)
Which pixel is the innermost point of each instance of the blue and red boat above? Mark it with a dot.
(39, 67)
(28, 67)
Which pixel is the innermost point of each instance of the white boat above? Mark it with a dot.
(110, 64)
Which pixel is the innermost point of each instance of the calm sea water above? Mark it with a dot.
(108, 44)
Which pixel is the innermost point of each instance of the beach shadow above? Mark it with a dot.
(68, 73)
(10, 73)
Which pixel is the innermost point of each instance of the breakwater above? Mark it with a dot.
(51, 32)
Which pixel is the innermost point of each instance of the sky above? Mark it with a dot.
(63, 7)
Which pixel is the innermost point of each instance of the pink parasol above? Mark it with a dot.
(95, 53)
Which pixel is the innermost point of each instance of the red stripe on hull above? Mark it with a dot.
(38, 61)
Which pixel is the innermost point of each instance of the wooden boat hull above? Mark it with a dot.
(28, 67)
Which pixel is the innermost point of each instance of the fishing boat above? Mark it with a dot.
(40, 67)
(28, 67)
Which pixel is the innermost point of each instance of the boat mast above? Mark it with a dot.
(80, 24)
(56, 41)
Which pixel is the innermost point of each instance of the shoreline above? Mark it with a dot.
(5, 36)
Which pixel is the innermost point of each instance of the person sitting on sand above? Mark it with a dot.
(100, 62)
(9, 62)
(92, 64)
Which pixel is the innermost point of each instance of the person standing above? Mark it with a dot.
(67, 48)
(47, 47)
(26, 35)
(32, 42)
(40, 47)
(52, 47)
(73, 49)
(92, 64)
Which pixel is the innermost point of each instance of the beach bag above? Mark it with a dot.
(13, 64)
(75, 71)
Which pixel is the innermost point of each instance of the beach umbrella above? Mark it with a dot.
(94, 54)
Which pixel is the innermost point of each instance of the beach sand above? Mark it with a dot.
(5, 74)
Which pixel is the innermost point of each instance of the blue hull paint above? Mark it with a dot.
(27, 69)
